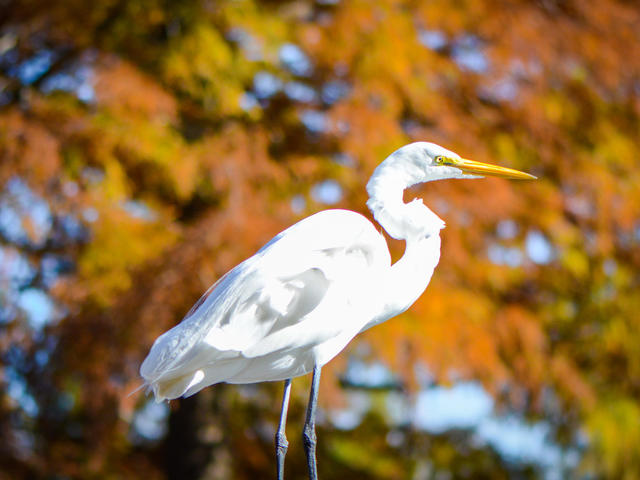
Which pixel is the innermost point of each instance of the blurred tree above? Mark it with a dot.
(147, 147)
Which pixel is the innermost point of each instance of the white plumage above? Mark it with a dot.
(296, 303)
(277, 313)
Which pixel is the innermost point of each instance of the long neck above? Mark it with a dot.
(413, 222)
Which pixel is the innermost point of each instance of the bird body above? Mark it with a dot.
(278, 313)
(295, 304)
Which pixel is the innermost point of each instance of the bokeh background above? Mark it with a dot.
(148, 147)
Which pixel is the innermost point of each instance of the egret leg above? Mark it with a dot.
(309, 431)
(281, 438)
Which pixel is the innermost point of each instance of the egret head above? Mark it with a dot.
(418, 163)
(438, 163)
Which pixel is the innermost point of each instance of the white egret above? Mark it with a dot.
(296, 303)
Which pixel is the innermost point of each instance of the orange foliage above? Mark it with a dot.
(196, 148)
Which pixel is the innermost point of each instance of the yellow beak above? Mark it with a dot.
(471, 166)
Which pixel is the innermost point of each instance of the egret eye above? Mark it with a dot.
(442, 160)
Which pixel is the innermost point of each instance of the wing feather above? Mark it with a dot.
(264, 302)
